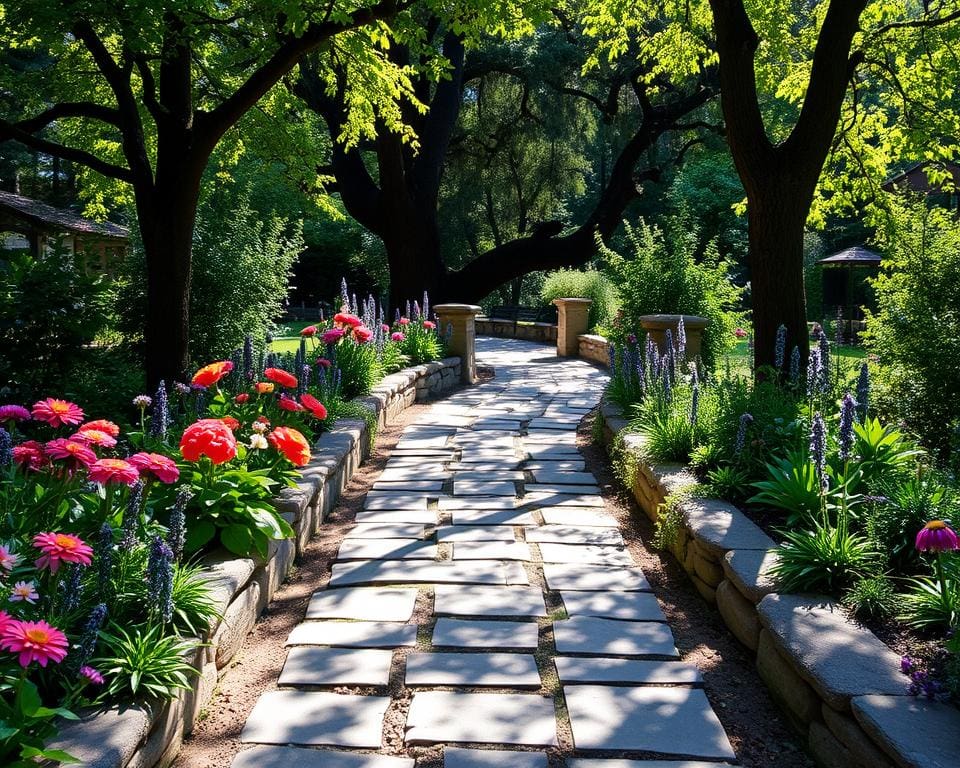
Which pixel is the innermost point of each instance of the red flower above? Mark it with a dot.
(323, 362)
(212, 373)
(241, 398)
(74, 453)
(740, 333)
(34, 641)
(263, 387)
(208, 437)
(289, 404)
(314, 406)
(310, 330)
(13, 413)
(332, 336)
(61, 548)
(362, 334)
(230, 422)
(29, 455)
(429, 325)
(291, 444)
(404, 321)
(57, 412)
(89, 436)
(281, 377)
(106, 471)
(156, 465)
(103, 425)
(397, 336)
(344, 318)
(384, 327)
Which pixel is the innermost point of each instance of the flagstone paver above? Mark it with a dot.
(485, 495)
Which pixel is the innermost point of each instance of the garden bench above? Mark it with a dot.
(517, 314)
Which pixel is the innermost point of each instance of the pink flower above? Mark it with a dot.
(156, 465)
(740, 333)
(332, 336)
(75, 454)
(289, 404)
(29, 455)
(397, 336)
(24, 591)
(107, 471)
(13, 413)
(8, 560)
(345, 318)
(56, 412)
(404, 321)
(91, 675)
(90, 436)
(313, 405)
(362, 334)
(5, 619)
(61, 548)
(310, 330)
(34, 641)
(937, 536)
(103, 425)
(241, 398)
(323, 362)
(384, 327)
(429, 325)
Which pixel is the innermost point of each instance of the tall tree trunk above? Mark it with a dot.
(412, 242)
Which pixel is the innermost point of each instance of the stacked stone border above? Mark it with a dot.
(839, 685)
(150, 736)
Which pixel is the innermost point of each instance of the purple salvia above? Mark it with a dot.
(248, 357)
(426, 304)
(131, 516)
(681, 341)
(70, 589)
(177, 530)
(104, 559)
(6, 448)
(667, 386)
(838, 328)
(780, 347)
(305, 373)
(863, 392)
(694, 404)
(160, 412)
(745, 420)
(795, 365)
(641, 373)
(396, 315)
(670, 354)
(823, 344)
(416, 313)
(87, 644)
(818, 449)
(160, 578)
(408, 308)
(354, 306)
(626, 365)
(612, 352)
(344, 295)
(848, 411)
(815, 375)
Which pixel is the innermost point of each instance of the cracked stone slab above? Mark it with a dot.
(450, 504)
(392, 516)
(362, 604)
(386, 549)
(578, 516)
(284, 757)
(484, 488)
(424, 572)
(575, 534)
(608, 637)
(488, 601)
(670, 721)
(469, 670)
(457, 757)
(520, 719)
(305, 717)
(307, 665)
(353, 634)
(491, 550)
(578, 670)
(585, 554)
(626, 606)
(459, 533)
(597, 578)
(564, 477)
(383, 500)
(476, 517)
(387, 531)
(490, 635)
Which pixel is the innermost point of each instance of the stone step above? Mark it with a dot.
(472, 670)
(521, 719)
(460, 600)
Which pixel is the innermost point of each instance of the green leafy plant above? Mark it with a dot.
(872, 597)
(669, 436)
(791, 485)
(728, 482)
(824, 558)
(668, 525)
(143, 662)
(882, 452)
(583, 284)
(926, 605)
(359, 367)
(193, 606)
(26, 724)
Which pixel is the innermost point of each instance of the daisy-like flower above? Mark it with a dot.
(59, 548)
(937, 536)
(103, 425)
(155, 465)
(404, 321)
(73, 453)
(289, 404)
(94, 437)
(142, 402)
(429, 325)
(29, 455)
(8, 560)
(24, 591)
(397, 336)
(259, 427)
(258, 442)
(56, 412)
(313, 405)
(362, 334)
(332, 336)
(116, 471)
(34, 641)
(281, 377)
(230, 422)
(212, 373)
(264, 387)
(309, 331)
(90, 675)
(13, 413)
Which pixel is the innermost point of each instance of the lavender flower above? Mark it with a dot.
(815, 373)
(104, 560)
(354, 307)
(407, 313)
(89, 636)
(681, 341)
(304, 378)
(160, 415)
(396, 315)
(177, 529)
(780, 348)
(426, 304)
(838, 328)
(416, 312)
(641, 374)
(694, 404)
(818, 448)
(131, 516)
(795, 365)
(907, 665)
(6, 448)
(142, 402)
(848, 409)
(160, 578)
(667, 387)
(248, 357)
(863, 392)
(612, 351)
(671, 353)
(745, 421)
(823, 343)
(626, 365)
(70, 589)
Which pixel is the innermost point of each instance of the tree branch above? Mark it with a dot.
(70, 109)
(10, 132)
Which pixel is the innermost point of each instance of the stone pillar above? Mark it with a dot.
(459, 320)
(571, 322)
(656, 328)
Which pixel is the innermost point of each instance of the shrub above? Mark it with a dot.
(872, 598)
(583, 284)
(664, 272)
(823, 558)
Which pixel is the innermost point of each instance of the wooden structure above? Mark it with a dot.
(845, 285)
(40, 228)
(916, 179)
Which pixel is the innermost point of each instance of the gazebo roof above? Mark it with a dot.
(48, 218)
(856, 256)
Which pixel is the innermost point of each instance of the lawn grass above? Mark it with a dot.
(287, 338)
(740, 357)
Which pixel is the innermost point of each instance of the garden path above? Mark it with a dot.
(485, 600)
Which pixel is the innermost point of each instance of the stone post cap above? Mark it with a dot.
(457, 309)
(561, 302)
(661, 322)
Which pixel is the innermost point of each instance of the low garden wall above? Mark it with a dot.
(507, 329)
(840, 687)
(596, 349)
(145, 736)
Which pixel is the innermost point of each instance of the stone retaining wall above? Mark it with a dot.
(145, 736)
(596, 349)
(840, 687)
(507, 329)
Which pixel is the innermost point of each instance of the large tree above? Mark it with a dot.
(392, 186)
(142, 92)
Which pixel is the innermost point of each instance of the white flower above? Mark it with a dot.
(258, 442)
(259, 427)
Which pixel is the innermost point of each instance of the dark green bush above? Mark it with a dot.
(583, 284)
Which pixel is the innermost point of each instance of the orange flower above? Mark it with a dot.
(263, 387)
(314, 406)
(230, 422)
(208, 437)
(291, 444)
(281, 377)
(103, 425)
(211, 374)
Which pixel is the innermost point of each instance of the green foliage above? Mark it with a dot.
(872, 598)
(193, 606)
(882, 452)
(823, 558)
(144, 663)
(583, 284)
(669, 523)
(421, 345)
(664, 271)
(792, 486)
(359, 366)
(669, 436)
(926, 605)
(728, 482)
(915, 331)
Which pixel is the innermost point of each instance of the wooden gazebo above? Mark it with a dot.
(845, 284)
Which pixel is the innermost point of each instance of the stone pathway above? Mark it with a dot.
(544, 646)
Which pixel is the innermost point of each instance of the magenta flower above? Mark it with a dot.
(61, 548)
(937, 536)
(90, 675)
(13, 413)
(34, 641)
(332, 336)
(8, 560)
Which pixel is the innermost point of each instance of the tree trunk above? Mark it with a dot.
(412, 242)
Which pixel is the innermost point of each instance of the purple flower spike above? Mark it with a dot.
(745, 421)
(818, 448)
(848, 410)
